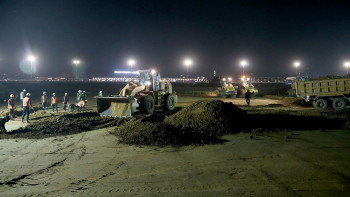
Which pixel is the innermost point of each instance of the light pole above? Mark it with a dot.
(31, 59)
(296, 64)
(243, 64)
(347, 65)
(76, 63)
(131, 62)
(187, 63)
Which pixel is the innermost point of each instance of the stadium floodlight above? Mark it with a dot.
(153, 71)
(31, 59)
(76, 63)
(296, 64)
(187, 63)
(347, 65)
(131, 62)
(243, 63)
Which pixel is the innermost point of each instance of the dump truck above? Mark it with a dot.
(324, 94)
(143, 95)
(227, 89)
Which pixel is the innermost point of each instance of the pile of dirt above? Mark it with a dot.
(151, 130)
(211, 118)
(66, 124)
(201, 123)
(19, 111)
(302, 102)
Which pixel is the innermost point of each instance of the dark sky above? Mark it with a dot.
(160, 34)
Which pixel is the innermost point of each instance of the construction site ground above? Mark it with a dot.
(95, 163)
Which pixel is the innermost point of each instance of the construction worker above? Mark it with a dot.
(65, 101)
(247, 96)
(81, 105)
(26, 104)
(79, 96)
(54, 102)
(100, 93)
(11, 106)
(22, 95)
(44, 100)
(83, 96)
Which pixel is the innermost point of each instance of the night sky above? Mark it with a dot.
(160, 34)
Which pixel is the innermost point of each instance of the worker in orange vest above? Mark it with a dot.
(81, 104)
(11, 106)
(54, 102)
(65, 101)
(27, 103)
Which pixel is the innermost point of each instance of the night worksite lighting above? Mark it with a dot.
(31, 59)
(347, 65)
(187, 63)
(297, 65)
(131, 62)
(243, 63)
(76, 63)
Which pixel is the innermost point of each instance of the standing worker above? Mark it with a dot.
(11, 106)
(54, 102)
(44, 100)
(83, 96)
(25, 105)
(247, 96)
(22, 95)
(65, 101)
(79, 96)
(100, 93)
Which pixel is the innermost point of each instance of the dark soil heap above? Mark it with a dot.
(63, 125)
(212, 118)
(201, 123)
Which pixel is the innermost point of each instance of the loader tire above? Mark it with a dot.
(147, 104)
(339, 104)
(169, 102)
(321, 104)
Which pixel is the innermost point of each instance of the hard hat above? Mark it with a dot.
(44, 92)
(53, 93)
(12, 95)
(24, 90)
(28, 94)
(83, 91)
(79, 91)
(65, 94)
(85, 101)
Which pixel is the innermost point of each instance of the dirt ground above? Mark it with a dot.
(95, 163)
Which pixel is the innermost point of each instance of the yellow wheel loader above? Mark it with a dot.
(142, 95)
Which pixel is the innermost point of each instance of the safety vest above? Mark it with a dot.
(26, 102)
(65, 99)
(81, 104)
(43, 99)
(11, 103)
(54, 100)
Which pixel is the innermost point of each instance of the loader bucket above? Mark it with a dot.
(116, 106)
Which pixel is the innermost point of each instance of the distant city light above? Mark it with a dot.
(126, 72)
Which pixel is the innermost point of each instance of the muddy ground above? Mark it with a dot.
(279, 149)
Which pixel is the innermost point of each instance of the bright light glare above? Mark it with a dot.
(230, 79)
(224, 79)
(153, 71)
(131, 62)
(126, 72)
(296, 64)
(188, 62)
(347, 64)
(31, 58)
(248, 79)
(244, 63)
(148, 83)
(76, 61)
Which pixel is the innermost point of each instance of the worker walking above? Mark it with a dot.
(44, 100)
(22, 95)
(26, 104)
(247, 96)
(54, 102)
(11, 106)
(65, 101)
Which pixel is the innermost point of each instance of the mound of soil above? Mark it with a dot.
(211, 118)
(66, 124)
(151, 130)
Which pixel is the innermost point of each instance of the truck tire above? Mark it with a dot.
(321, 104)
(339, 104)
(147, 104)
(169, 102)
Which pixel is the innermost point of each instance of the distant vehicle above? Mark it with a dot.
(227, 89)
(147, 92)
(324, 93)
(245, 85)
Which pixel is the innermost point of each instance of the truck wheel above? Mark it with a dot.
(339, 104)
(321, 104)
(169, 102)
(147, 104)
